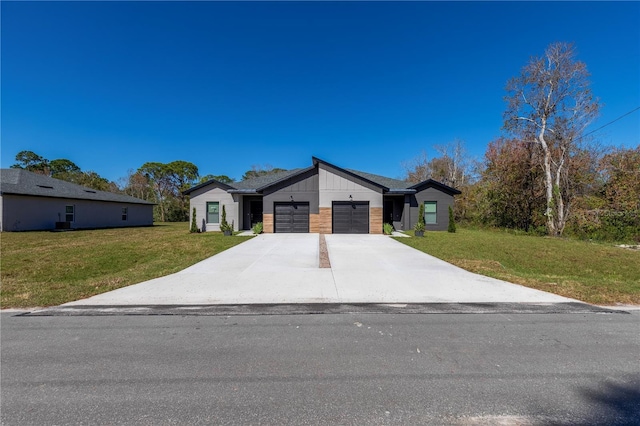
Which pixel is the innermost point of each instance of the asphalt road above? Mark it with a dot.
(348, 369)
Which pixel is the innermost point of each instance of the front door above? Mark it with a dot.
(255, 207)
(387, 212)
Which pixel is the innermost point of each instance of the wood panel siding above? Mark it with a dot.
(375, 220)
(267, 223)
(314, 223)
(324, 226)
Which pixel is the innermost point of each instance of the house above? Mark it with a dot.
(322, 198)
(31, 202)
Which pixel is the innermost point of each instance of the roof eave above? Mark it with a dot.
(400, 191)
(435, 183)
(298, 173)
(242, 191)
(203, 184)
(317, 160)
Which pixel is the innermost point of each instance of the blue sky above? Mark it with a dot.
(226, 85)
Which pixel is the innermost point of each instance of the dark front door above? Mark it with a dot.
(387, 212)
(291, 217)
(255, 208)
(350, 217)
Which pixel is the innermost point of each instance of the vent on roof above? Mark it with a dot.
(88, 190)
(46, 186)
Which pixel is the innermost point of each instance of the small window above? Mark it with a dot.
(70, 214)
(430, 212)
(125, 213)
(213, 212)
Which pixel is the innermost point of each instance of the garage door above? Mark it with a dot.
(350, 217)
(291, 217)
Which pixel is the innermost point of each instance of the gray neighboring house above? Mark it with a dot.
(322, 198)
(33, 202)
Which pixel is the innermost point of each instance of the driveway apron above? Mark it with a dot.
(284, 268)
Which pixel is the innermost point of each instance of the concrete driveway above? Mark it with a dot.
(284, 268)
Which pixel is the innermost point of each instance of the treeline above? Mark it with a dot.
(160, 183)
(545, 175)
(504, 189)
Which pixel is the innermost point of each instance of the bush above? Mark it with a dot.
(421, 217)
(387, 228)
(224, 225)
(452, 221)
(194, 223)
(605, 225)
(257, 228)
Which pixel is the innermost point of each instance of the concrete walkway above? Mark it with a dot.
(283, 268)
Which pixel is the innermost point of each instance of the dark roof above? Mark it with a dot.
(266, 180)
(389, 185)
(23, 182)
(382, 180)
(209, 182)
(435, 183)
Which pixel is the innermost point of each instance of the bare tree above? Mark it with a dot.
(452, 167)
(550, 104)
(456, 163)
(417, 169)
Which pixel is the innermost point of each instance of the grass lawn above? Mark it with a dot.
(594, 273)
(49, 268)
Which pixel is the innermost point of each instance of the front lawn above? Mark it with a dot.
(50, 268)
(592, 272)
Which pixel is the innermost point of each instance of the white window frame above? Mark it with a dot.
(435, 217)
(72, 214)
(207, 211)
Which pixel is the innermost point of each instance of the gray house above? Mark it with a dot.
(321, 198)
(30, 202)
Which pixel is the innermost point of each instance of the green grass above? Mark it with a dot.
(49, 268)
(592, 272)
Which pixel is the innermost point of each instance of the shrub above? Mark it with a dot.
(452, 221)
(420, 225)
(194, 223)
(387, 228)
(224, 225)
(257, 228)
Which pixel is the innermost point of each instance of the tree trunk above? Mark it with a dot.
(548, 183)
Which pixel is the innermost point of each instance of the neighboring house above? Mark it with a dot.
(322, 198)
(30, 202)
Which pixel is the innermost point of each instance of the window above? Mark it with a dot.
(125, 213)
(70, 214)
(430, 212)
(213, 212)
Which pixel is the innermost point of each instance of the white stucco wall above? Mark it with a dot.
(28, 213)
(337, 188)
(211, 193)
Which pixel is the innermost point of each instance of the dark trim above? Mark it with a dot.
(347, 172)
(224, 186)
(400, 191)
(243, 191)
(434, 183)
(284, 179)
(141, 203)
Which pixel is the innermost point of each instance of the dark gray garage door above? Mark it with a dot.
(291, 217)
(350, 217)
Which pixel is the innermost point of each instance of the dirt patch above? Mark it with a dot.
(324, 253)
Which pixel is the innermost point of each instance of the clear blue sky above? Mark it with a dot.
(225, 85)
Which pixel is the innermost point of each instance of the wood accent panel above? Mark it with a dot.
(324, 225)
(267, 223)
(314, 223)
(375, 220)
